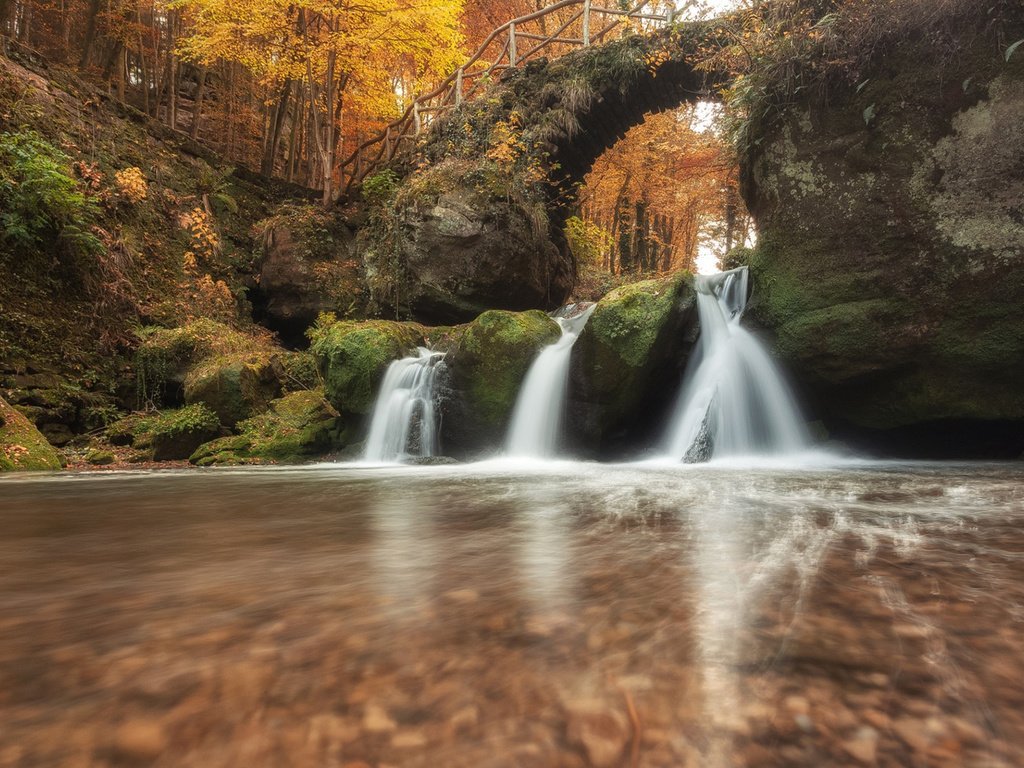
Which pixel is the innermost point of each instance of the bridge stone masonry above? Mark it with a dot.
(477, 219)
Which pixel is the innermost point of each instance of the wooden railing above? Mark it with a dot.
(507, 47)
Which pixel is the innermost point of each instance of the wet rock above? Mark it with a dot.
(485, 371)
(863, 747)
(600, 730)
(628, 361)
(354, 356)
(140, 740)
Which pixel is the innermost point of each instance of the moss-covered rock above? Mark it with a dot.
(22, 447)
(353, 357)
(166, 356)
(100, 457)
(297, 427)
(175, 435)
(486, 369)
(890, 253)
(233, 387)
(626, 364)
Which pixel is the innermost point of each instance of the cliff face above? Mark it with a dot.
(889, 266)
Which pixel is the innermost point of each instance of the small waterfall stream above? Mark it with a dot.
(404, 423)
(734, 401)
(537, 418)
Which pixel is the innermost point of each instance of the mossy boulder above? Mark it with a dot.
(22, 446)
(353, 357)
(627, 363)
(233, 387)
(175, 435)
(890, 263)
(486, 369)
(166, 356)
(297, 427)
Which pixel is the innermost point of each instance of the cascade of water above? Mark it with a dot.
(734, 401)
(404, 424)
(537, 417)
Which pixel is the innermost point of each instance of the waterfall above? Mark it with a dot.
(404, 423)
(537, 418)
(734, 401)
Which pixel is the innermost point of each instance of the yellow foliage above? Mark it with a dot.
(131, 184)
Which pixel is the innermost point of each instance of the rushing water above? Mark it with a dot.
(404, 422)
(734, 402)
(488, 615)
(537, 418)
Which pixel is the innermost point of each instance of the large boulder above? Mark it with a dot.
(233, 387)
(890, 262)
(486, 369)
(297, 427)
(627, 365)
(354, 356)
(456, 242)
(308, 266)
(22, 447)
(174, 435)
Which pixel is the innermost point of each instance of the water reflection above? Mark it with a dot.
(577, 615)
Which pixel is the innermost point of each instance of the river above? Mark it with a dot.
(545, 615)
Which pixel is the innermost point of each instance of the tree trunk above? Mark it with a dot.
(275, 129)
(90, 33)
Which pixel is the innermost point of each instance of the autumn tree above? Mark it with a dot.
(345, 59)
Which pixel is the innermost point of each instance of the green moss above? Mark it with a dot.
(299, 426)
(166, 355)
(176, 434)
(100, 457)
(22, 447)
(353, 357)
(233, 386)
(628, 320)
(492, 358)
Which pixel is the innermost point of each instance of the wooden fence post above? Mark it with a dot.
(586, 23)
(512, 44)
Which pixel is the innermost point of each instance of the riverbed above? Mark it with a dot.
(557, 614)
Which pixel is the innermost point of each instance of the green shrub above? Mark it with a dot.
(39, 202)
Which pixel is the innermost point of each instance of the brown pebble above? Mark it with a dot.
(140, 740)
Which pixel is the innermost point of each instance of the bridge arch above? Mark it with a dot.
(478, 220)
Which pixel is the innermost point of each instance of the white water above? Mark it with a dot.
(537, 418)
(732, 383)
(404, 423)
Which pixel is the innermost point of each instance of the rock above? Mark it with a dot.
(703, 446)
(353, 357)
(140, 740)
(22, 447)
(234, 388)
(377, 720)
(168, 357)
(485, 372)
(57, 434)
(99, 457)
(863, 747)
(432, 461)
(296, 427)
(450, 248)
(601, 731)
(627, 363)
(308, 266)
(176, 434)
(888, 264)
